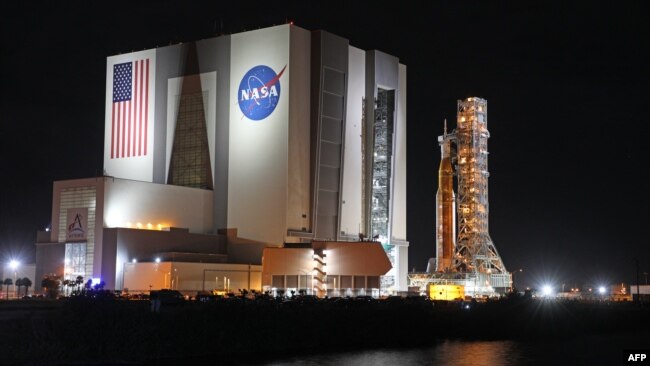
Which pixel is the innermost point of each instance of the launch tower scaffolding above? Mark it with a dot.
(475, 250)
(476, 264)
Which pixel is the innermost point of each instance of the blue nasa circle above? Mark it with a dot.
(259, 92)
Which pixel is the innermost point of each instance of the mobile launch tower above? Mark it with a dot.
(465, 253)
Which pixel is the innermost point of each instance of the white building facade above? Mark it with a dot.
(284, 134)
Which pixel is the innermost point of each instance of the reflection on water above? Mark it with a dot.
(498, 353)
(457, 353)
(580, 350)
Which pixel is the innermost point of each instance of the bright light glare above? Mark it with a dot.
(601, 290)
(547, 290)
(134, 260)
(158, 260)
(14, 264)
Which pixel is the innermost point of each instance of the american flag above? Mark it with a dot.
(129, 117)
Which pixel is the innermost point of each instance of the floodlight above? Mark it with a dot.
(14, 264)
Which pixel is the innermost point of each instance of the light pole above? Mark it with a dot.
(14, 265)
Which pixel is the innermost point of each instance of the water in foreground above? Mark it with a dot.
(272, 332)
(586, 350)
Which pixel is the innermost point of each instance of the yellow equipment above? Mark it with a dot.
(446, 292)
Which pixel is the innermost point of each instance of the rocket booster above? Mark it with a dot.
(445, 209)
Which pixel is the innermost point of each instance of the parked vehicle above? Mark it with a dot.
(165, 297)
(205, 296)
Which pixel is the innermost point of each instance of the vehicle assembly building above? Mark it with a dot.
(465, 253)
(219, 148)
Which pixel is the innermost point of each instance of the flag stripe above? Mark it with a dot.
(139, 98)
(117, 147)
(146, 116)
(135, 137)
(123, 125)
(137, 108)
(128, 131)
(138, 93)
(113, 132)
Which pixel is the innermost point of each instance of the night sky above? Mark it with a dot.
(567, 91)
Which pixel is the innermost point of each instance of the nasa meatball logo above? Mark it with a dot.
(259, 92)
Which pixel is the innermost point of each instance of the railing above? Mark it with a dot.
(319, 272)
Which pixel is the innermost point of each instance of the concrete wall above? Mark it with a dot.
(217, 51)
(398, 222)
(258, 154)
(131, 202)
(398, 194)
(49, 260)
(298, 197)
(329, 71)
(245, 251)
(109, 259)
(351, 202)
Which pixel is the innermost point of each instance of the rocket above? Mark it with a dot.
(445, 208)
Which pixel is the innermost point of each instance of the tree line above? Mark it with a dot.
(20, 282)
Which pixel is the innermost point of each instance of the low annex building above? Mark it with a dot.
(191, 277)
(326, 268)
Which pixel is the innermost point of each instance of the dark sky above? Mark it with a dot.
(566, 84)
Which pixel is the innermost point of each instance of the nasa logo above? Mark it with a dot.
(259, 92)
